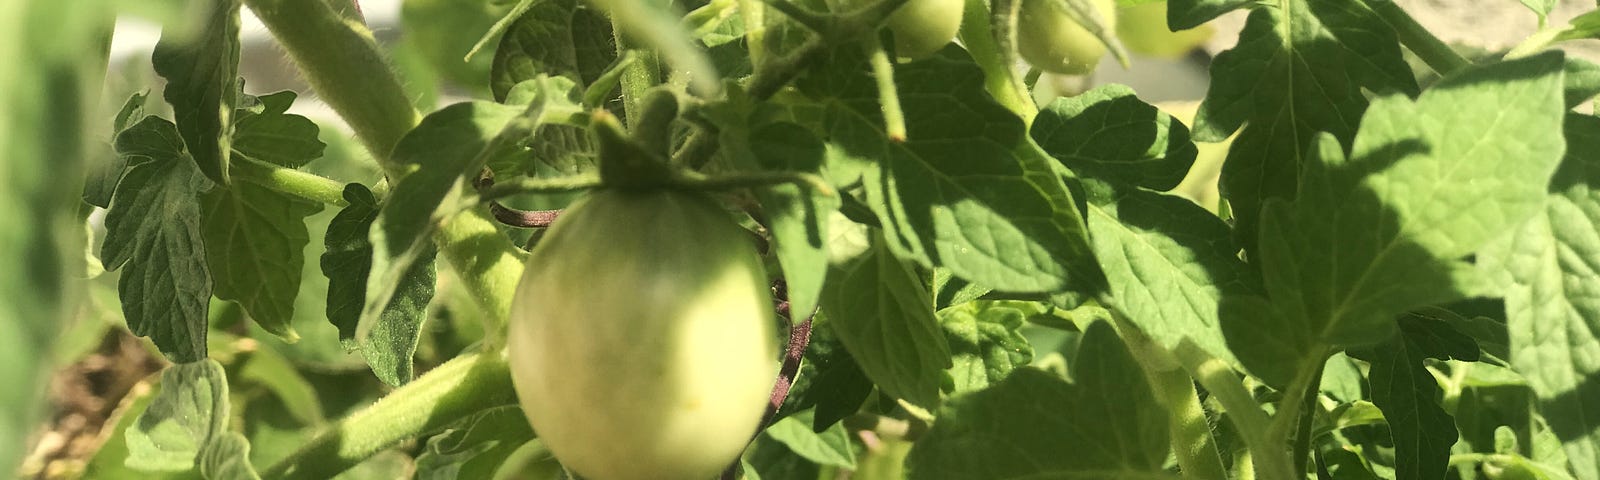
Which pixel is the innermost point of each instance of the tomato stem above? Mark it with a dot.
(455, 390)
(341, 59)
(1000, 78)
(287, 180)
(1434, 52)
(894, 121)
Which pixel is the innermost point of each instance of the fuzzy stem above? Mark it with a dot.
(894, 121)
(458, 388)
(1190, 437)
(287, 180)
(341, 59)
(637, 78)
(1252, 423)
(1434, 52)
(978, 36)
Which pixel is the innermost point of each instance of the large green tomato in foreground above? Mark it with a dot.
(642, 337)
(1051, 40)
(923, 27)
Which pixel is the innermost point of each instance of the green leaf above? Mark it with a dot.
(1169, 263)
(347, 262)
(966, 190)
(1186, 14)
(769, 459)
(202, 73)
(439, 154)
(1385, 232)
(1105, 424)
(796, 216)
(187, 417)
(883, 315)
(103, 178)
(985, 343)
(553, 37)
(1546, 272)
(269, 369)
(1108, 133)
(266, 132)
(828, 447)
(476, 447)
(228, 458)
(1297, 71)
(154, 234)
(1406, 392)
(1582, 81)
(254, 242)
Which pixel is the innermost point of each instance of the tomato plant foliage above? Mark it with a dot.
(1359, 255)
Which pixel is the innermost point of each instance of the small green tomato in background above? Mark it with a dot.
(642, 338)
(1143, 30)
(923, 27)
(1051, 40)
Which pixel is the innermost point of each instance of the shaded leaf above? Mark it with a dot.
(828, 447)
(1109, 134)
(883, 315)
(254, 243)
(1297, 71)
(966, 190)
(189, 415)
(985, 343)
(347, 262)
(1546, 270)
(267, 132)
(1105, 424)
(227, 458)
(476, 447)
(553, 37)
(1408, 395)
(1169, 262)
(202, 73)
(154, 234)
(1385, 232)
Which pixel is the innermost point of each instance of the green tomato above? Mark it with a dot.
(923, 27)
(641, 338)
(1051, 40)
(1143, 30)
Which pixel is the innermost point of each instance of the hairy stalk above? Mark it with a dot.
(1302, 434)
(894, 121)
(522, 218)
(978, 35)
(1190, 436)
(290, 181)
(340, 58)
(1434, 52)
(1267, 452)
(446, 394)
(637, 78)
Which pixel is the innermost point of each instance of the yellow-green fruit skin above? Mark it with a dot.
(1049, 39)
(641, 338)
(1143, 30)
(923, 27)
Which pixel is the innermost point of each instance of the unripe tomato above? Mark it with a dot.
(1143, 30)
(641, 338)
(1051, 40)
(923, 27)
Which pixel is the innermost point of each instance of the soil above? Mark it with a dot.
(83, 396)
